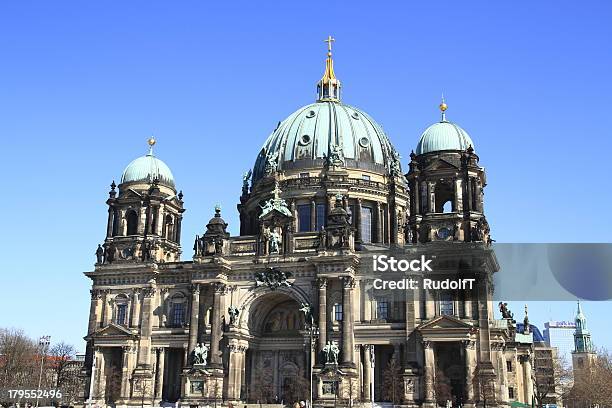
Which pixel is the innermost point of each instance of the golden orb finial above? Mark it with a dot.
(151, 141)
(443, 108)
(443, 105)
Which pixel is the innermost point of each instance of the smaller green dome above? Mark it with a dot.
(443, 135)
(146, 169)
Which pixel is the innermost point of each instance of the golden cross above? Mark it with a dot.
(329, 41)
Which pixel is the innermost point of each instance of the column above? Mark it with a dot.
(106, 309)
(159, 377)
(503, 373)
(428, 371)
(99, 380)
(357, 216)
(194, 320)
(527, 379)
(458, 195)
(215, 335)
(295, 217)
(468, 306)
(144, 347)
(125, 368)
(135, 308)
(163, 307)
(414, 198)
(142, 220)
(322, 282)
(379, 223)
(123, 225)
(468, 206)
(387, 216)
(348, 283)
(95, 309)
(313, 215)
(160, 221)
(430, 305)
(367, 371)
(236, 354)
(470, 368)
(432, 196)
(109, 223)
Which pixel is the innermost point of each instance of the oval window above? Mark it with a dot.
(364, 142)
(310, 114)
(304, 140)
(355, 115)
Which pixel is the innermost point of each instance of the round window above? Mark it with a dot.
(355, 115)
(310, 114)
(364, 142)
(304, 140)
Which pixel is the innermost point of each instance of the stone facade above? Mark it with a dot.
(262, 307)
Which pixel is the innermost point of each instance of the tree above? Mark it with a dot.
(112, 384)
(392, 381)
(61, 358)
(297, 389)
(19, 362)
(261, 387)
(592, 384)
(550, 375)
(485, 389)
(442, 388)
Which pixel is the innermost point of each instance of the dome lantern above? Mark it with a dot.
(329, 86)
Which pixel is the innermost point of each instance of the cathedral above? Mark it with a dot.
(288, 310)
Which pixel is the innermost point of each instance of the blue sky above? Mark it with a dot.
(83, 85)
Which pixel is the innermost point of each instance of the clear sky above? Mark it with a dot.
(84, 84)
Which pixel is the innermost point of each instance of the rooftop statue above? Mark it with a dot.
(245, 182)
(336, 156)
(506, 313)
(271, 163)
(275, 203)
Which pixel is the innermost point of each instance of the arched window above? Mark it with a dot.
(338, 312)
(121, 308)
(115, 223)
(178, 310)
(169, 226)
(132, 222)
(445, 197)
(446, 304)
(382, 309)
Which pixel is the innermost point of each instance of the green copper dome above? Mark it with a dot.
(309, 135)
(443, 135)
(146, 169)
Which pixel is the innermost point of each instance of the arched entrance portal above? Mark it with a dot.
(277, 359)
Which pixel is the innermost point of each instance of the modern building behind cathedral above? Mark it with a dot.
(259, 317)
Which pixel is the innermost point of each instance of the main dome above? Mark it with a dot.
(148, 168)
(306, 138)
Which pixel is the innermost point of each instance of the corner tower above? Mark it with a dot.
(446, 186)
(145, 215)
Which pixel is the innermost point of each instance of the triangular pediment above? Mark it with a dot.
(441, 164)
(444, 322)
(112, 330)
